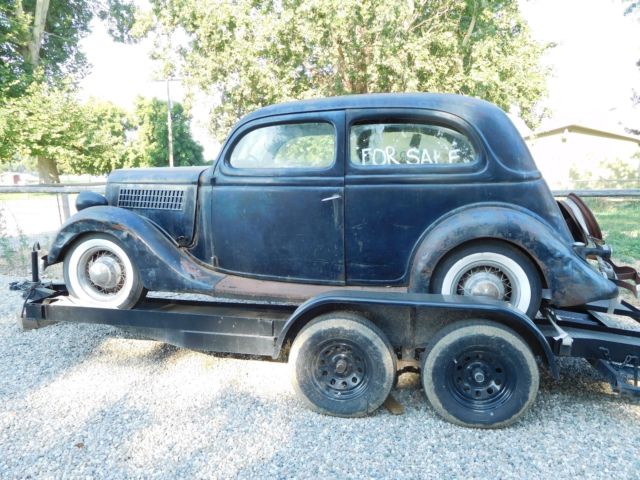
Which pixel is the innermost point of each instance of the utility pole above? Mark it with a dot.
(169, 124)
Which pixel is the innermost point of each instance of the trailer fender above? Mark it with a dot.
(433, 305)
(162, 264)
(570, 279)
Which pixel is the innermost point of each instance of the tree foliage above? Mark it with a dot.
(151, 147)
(41, 119)
(257, 53)
(49, 125)
(14, 28)
(56, 54)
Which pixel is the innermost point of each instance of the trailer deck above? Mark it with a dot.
(408, 320)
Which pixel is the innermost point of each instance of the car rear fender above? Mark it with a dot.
(162, 264)
(570, 279)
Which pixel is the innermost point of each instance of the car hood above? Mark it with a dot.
(166, 196)
(164, 175)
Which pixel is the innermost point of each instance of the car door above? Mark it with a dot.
(277, 201)
(405, 168)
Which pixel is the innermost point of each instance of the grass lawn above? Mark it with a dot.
(619, 219)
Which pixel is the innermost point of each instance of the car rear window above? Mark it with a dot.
(290, 145)
(392, 144)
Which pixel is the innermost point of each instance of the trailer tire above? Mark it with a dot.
(342, 365)
(481, 374)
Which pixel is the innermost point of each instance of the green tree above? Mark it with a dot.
(42, 38)
(49, 125)
(256, 53)
(40, 43)
(14, 28)
(151, 145)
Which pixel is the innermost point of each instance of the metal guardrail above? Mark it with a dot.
(630, 192)
(53, 188)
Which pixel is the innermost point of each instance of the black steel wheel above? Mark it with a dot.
(342, 365)
(479, 374)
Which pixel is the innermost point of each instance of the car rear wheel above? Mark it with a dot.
(491, 269)
(98, 272)
(342, 365)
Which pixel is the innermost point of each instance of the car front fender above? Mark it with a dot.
(162, 264)
(570, 279)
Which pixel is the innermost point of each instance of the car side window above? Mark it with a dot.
(388, 144)
(290, 145)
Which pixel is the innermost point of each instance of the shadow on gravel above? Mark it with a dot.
(578, 377)
(36, 358)
(143, 408)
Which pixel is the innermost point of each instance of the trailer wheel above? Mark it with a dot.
(342, 365)
(98, 272)
(479, 374)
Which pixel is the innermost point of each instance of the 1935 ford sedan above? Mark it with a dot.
(406, 192)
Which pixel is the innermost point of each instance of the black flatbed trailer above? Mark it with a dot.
(410, 322)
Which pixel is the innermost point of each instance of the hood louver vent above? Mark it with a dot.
(151, 198)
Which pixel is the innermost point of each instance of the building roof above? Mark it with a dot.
(576, 128)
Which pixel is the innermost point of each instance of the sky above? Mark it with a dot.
(593, 67)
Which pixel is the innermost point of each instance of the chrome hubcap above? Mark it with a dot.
(105, 272)
(486, 282)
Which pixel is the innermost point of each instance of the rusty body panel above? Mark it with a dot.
(572, 280)
(287, 234)
(234, 286)
(162, 264)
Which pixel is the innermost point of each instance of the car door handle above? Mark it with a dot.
(332, 197)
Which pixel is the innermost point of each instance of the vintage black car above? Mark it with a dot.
(400, 192)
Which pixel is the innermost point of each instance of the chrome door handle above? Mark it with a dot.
(332, 197)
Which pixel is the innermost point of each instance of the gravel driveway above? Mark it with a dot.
(86, 401)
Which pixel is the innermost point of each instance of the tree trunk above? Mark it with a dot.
(39, 21)
(48, 170)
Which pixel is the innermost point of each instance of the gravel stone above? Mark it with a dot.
(90, 401)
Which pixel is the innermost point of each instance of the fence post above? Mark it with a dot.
(66, 212)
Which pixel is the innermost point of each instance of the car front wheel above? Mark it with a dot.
(491, 269)
(98, 272)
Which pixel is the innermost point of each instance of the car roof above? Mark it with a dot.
(498, 131)
(447, 102)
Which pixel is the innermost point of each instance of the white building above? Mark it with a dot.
(577, 156)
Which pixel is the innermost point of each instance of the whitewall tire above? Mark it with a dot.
(491, 269)
(98, 272)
